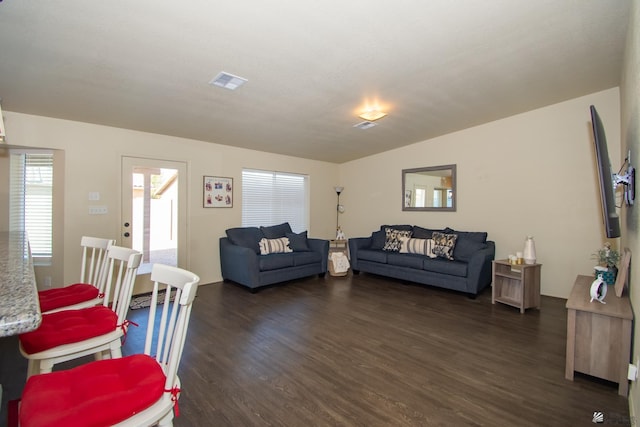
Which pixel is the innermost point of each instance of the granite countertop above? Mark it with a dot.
(19, 307)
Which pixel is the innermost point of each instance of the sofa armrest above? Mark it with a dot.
(238, 263)
(355, 244)
(479, 268)
(322, 246)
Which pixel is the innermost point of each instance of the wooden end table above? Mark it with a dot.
(598, 335)
(517, 285)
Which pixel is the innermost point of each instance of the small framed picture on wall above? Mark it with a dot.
(217, 192)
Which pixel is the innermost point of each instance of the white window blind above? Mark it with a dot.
(270, 198)
(31, 199)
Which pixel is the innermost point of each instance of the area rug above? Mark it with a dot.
(143, 301)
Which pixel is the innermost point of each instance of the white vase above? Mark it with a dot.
(529, 251)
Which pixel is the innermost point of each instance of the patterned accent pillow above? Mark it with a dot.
(392, 241)
(444, 244)
(274, 246)
(417, 246)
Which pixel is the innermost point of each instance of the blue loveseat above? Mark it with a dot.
(463, 261)
(258, 256)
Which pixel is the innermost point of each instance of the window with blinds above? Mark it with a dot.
(270, 198)
(31, 200)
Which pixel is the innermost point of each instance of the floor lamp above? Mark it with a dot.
(339, 209)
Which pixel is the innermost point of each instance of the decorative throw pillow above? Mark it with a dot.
(423, 233)
(248, 237)
(377, 240)
(417, 246)
(274, 246)
(298, 242)
(276, 231)
(392, 241)
(476, 236)
(444, 245)
(404, 241)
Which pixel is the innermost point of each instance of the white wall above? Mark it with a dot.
(93, 163)
(530, 174)
(630, 113)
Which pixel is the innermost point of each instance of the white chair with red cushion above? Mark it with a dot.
(89, 291)
(71, 334)
(133, 391)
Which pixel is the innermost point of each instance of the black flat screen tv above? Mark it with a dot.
(605, 176)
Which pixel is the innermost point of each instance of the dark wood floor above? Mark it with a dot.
(368, 351)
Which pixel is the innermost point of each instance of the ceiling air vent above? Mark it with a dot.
(228, 81)
(364, 125)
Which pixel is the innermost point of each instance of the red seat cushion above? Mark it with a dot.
(99, 393)
(69, 326)
(69, 295)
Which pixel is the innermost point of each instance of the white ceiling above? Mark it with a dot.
(436, 66)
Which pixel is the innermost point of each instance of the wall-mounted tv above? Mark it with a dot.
(606, 178)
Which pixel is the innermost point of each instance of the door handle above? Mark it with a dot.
(127, 234)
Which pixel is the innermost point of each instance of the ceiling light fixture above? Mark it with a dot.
(228, 81)
(372, 115)
(364, 125)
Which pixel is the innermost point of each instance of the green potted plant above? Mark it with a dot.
(607, 263)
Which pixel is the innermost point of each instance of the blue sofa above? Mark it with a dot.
(463, 266)
(244, 261)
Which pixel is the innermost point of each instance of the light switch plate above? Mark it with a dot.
(98, 210)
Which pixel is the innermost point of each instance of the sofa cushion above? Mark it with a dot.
(417, 246)
(406, 260)
(372, 255)
(304, 258)
(274, 246)
(377, 239)
(275, 261)
(476, 236)
(392, 241)
(298, 242)
(51, 299)
(276, 231)
(69, 326)
(248, 237)
(101, 393)
(423, 233)
(442, 266)
(465, 248)
(444, 245)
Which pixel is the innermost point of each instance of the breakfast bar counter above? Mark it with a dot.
(19, 307)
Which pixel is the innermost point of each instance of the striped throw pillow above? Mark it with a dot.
(418, 246)
(274, 246)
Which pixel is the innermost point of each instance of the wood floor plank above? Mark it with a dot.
(369, 351)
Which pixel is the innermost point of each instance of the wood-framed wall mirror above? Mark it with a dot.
(429, 189)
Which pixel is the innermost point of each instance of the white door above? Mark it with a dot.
(154, 212)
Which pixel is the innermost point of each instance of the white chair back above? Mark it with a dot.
(94, 260)
(122, 268)
(171, 331)
(165, 336)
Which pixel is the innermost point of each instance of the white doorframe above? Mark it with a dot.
(178, 225)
